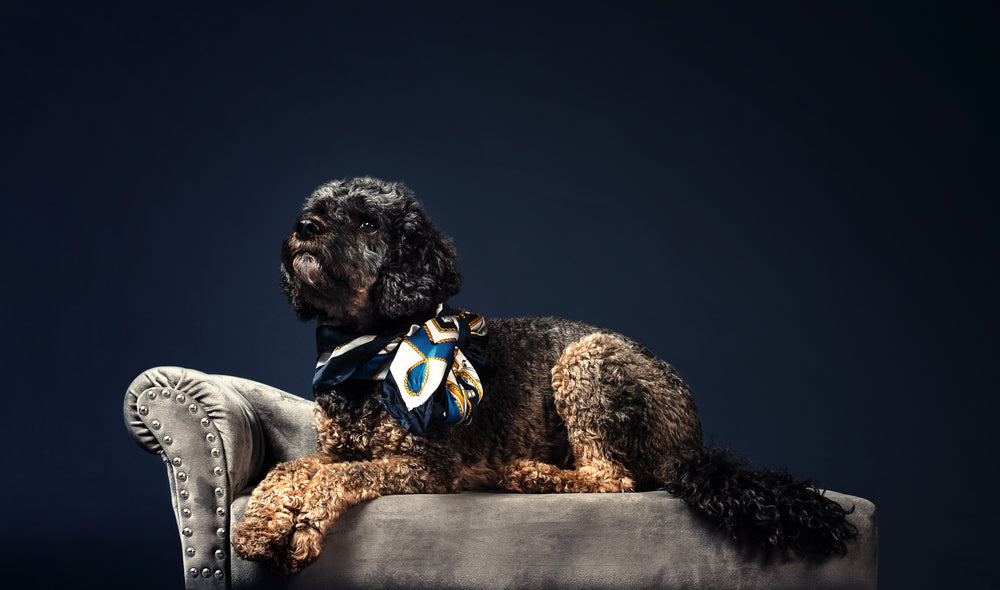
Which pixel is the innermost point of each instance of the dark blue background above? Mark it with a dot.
(795, 205)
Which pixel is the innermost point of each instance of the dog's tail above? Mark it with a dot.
(764, 507)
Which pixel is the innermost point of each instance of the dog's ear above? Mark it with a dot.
(419, 270)
(302, 308)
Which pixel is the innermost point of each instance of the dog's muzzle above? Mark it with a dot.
(307, 267)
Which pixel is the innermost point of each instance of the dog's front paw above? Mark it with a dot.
(304, 546)
(273, 509)
(264, 531)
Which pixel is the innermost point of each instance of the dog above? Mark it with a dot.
(537, 405)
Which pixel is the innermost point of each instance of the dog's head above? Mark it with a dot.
(364, 253)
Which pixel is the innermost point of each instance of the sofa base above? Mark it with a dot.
(502, 540)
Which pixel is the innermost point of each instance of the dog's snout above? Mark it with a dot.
(307, 228)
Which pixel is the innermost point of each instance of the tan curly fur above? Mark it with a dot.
(570, 408)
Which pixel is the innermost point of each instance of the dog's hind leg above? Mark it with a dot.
(627, 413)
(530, 476)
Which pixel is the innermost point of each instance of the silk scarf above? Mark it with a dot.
(428, 374)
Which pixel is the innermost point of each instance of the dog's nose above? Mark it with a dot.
(306, 228)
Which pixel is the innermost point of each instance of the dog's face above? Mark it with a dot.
(363, 253)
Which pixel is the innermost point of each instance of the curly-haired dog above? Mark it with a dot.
(563, 407)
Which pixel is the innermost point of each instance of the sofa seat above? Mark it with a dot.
(218, 435)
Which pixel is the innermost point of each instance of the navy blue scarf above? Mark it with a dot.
(426, 377)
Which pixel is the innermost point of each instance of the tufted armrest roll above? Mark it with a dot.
(213, 445)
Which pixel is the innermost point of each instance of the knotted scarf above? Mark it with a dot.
(426, 377)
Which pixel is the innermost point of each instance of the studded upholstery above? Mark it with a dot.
(218, 435)
(212, 435)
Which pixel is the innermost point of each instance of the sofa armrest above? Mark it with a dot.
(213, 444)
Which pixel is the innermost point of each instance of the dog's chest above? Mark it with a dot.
(356, 429)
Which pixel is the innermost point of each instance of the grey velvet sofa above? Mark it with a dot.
(218, 435)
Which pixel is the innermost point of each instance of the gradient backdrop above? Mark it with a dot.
(793, 204)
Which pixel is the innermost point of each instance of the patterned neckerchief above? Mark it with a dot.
(426, 377)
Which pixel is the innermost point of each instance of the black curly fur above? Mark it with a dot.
(385, 246)
(765, 507)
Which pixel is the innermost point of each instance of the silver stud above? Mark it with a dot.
(221, 532)
(216, 452)
(180, 398)
(155, 424)
(152, 395)
(219, 554)
(187, 532)
(220, 511)
(205, 422)
(218, 574)
(218, 470)
(193, 408)
(176, 461)
(168, 440)
(206, 572)
(182, 476)
(219, 492)
(210, 437)
(166, 393)
(190, 551)
(143, 410)
(193, 572)
(183, 494)
(186, 513)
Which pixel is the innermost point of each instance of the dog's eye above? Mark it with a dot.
(368, 227)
